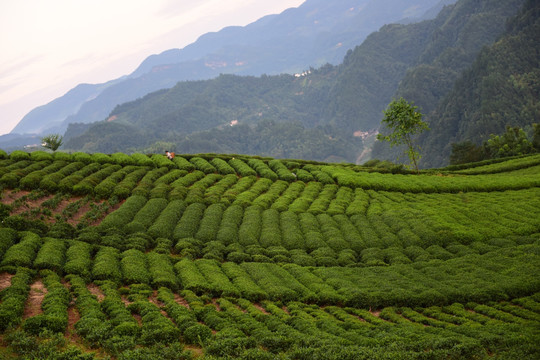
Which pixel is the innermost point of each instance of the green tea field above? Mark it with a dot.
(230, 256)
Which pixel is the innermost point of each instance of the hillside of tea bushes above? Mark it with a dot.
(221, 256)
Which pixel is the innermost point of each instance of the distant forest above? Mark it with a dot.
(472, 70)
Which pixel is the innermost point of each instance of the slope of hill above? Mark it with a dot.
(313, 34)
(339, 101)
(500, 89)
(220, 256)
(469, 100)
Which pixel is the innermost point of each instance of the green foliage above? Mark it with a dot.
(107, 264)
(24, 252)
(404, 123)
(497, 90)
(466, 152)
(442, 253)
(14, 298)
(54, 305)
(513, 142)
(51, 255)
(52, 141)
(79, 259)
(134, 267)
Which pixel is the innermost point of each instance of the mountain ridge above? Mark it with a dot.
(195, 64)
(337, 101)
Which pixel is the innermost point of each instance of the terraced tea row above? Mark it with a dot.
(138, 256)
(500, 273)
(119, 319)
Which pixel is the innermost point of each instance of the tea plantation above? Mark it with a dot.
(220, 256)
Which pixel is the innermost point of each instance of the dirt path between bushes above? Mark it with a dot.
(5, 280)
(181, 301)
(35, 298)
(96, 291)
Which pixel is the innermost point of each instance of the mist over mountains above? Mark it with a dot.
(471, 66)
(313, 34)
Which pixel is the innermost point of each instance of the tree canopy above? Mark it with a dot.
(405, 122)
(52, 141)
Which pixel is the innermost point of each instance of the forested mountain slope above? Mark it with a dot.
(330, 104)
(230, 256)
(313, 34)
(501, 88)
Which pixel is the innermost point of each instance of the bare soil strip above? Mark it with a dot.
(31, 204)
(96, 291)
(35, 298)
(137, 318)
(261, 309)
(154, 300)
(360, 318)
(64, 203)
(197, 351)
(73, 317)
(181, 301)
(9, 197)
(5, 280)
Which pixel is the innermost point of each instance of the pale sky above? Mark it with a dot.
(50, 46)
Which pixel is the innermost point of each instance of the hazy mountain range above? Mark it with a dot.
(471, 66)
(313, 34)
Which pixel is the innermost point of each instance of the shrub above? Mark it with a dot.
(142, 160)
(242, 168)
(250, 229)
(162, 161)
(101, 158)
(262, 169)
(54, 305)
(146, 216)
(51, 255)
(281, 170)
(125, 214)
(19, 155)
(7, 239)
(106, 264)
(50, 182)
(189, 223)
(164, 225)
(79, 259)
(203, 165)
(183, 164)
(230, 223)
(40, 156)
(190, 277)
(244, 283)
(82, 157)
(134, 267)
(122, 159)
(123, 189)
(14, 298)
(222, 166)
(197, 334)
(161, 271)
(24, 252)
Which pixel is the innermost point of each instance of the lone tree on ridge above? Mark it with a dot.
(405, 122)
(52, 141)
